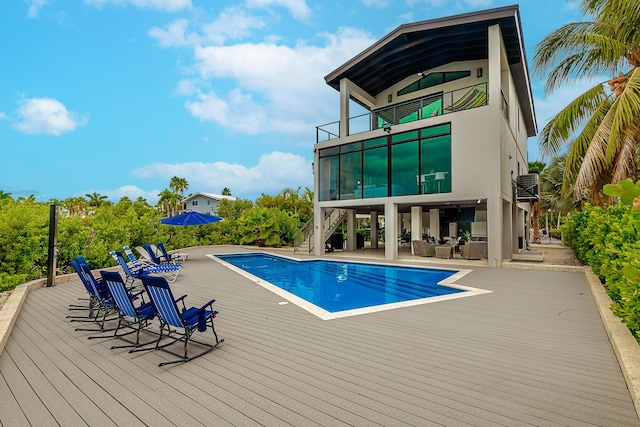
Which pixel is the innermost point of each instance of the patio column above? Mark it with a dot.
(374, 229)
(351, 230)
(416, 224)
(344, 108)
(434, 223)
(494, 231)
(318, 230)
(391, 231)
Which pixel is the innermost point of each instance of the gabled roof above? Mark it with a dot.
(419, 46)
(216, 197)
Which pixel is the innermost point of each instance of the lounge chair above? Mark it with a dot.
(170, 257)
(181, 322)
(130, 315)
(474, 250)
(155, 256)
(133, 261)
(169, 271)
(91, 299)
(100, 302)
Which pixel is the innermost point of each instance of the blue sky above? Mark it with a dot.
(118, 96)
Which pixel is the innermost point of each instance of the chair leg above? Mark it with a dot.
(187, 339)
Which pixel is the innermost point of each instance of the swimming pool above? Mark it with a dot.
(333, 289)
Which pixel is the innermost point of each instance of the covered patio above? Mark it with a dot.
(532, 352)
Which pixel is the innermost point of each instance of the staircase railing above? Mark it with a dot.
(305, 233)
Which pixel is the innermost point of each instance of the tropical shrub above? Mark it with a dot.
(608, 240)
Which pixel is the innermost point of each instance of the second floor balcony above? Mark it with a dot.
(432, 105)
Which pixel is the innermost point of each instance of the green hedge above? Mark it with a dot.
(607, 240)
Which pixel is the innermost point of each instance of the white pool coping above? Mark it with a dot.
(326, 315)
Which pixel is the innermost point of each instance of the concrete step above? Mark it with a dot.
(528, 256)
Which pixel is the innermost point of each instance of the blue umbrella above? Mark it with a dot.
(191, 218)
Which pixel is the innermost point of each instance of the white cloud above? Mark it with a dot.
(233, 24)
(34, 7)
(268, 176)
(275, 87)
(46, 116)
(174, 34)
(130, 191)
(162, 5)
(3, 115)
(297, 8)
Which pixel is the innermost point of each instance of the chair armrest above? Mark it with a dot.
(209, 304)
(181, 299)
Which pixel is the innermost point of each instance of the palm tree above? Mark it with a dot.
(168, 202)
(601, 126)
(4, 195)
(74, 206)
(553, 195)
(179, 185)
(534, 205)
(226, 191)
(96, 199)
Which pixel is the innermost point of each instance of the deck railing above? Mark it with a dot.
(417, 109)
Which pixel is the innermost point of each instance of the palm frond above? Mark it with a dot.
(560, 128)
(626, 113)
(594, 161)
(586, 55)
(625, 164)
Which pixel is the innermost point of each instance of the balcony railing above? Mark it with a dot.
(417, 109)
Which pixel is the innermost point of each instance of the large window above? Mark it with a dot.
(376, 166)
(408, 163)
(433, 79)
(351, 175)
(404, 168)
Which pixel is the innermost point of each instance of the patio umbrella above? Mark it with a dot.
(191, 218)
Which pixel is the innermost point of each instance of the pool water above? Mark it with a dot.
(338, 286)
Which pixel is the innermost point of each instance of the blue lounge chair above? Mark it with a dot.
(92, 299)
(181, 323)
(153, 256)
(100, 298)
(130, 315)
(133, 261)
(167, 257)
(132, 273)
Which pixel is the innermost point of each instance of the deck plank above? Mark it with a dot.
(532, 353)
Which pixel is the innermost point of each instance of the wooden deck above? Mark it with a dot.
(533, 352)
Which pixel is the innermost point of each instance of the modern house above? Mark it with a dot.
(443, 142)
(204, 202)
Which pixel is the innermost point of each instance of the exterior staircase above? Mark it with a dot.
(303, 240)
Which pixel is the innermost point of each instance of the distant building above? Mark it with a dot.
(204, 202)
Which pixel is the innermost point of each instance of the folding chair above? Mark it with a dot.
(132, 316)
(132, 273)
(184, 321)
(133, 261)
(91, 299)
(100, 299)
(167, 257)
(153, 255)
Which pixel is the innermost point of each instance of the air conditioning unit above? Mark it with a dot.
(527, 187)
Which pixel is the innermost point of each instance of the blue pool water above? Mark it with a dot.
(337, 286)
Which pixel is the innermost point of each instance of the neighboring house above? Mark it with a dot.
(446, 138)
(204, 202)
